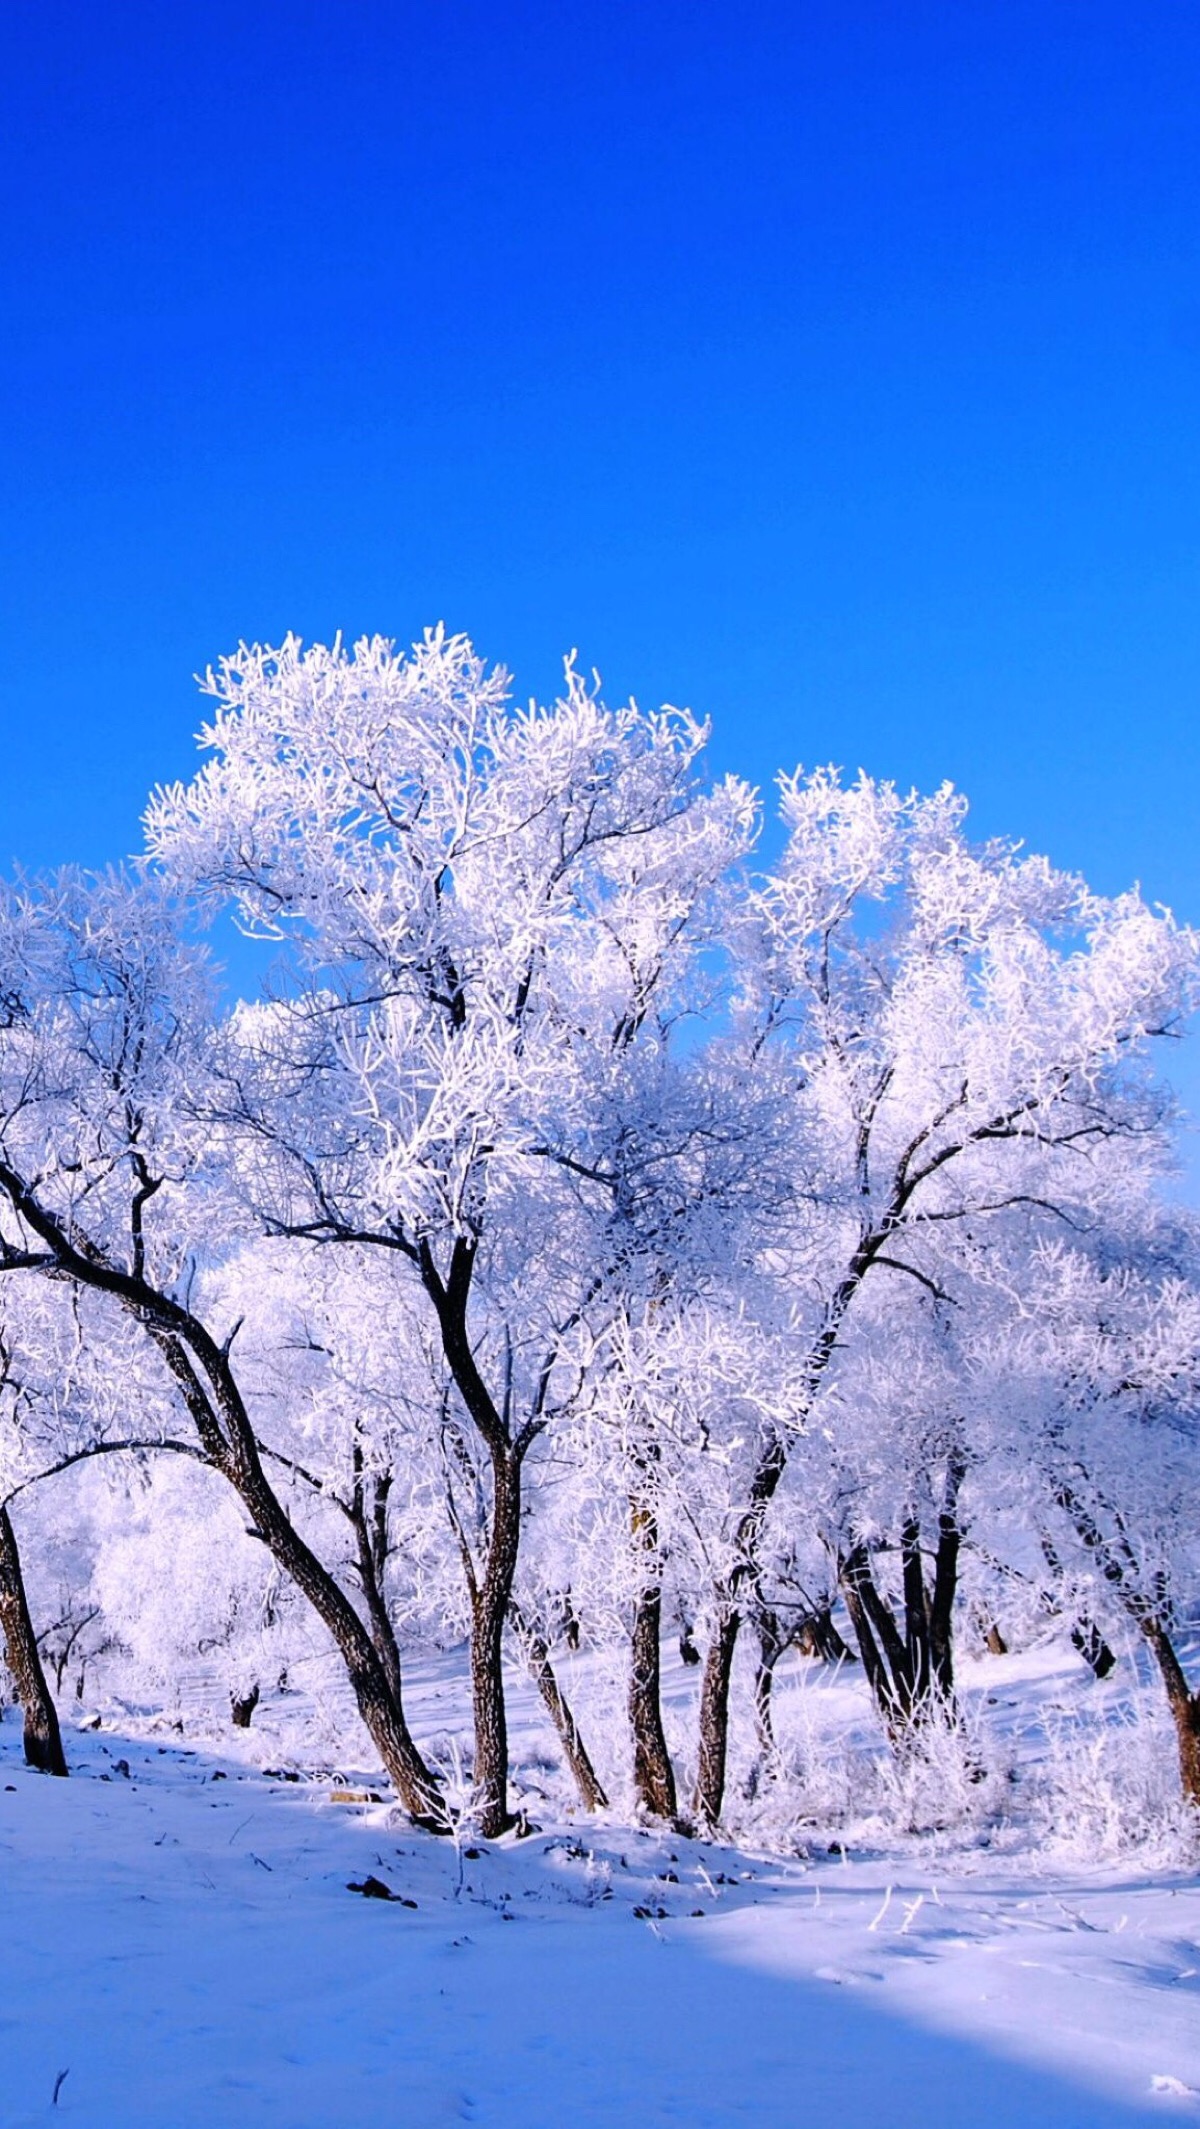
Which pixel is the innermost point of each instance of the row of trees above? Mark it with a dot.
(592, 1228)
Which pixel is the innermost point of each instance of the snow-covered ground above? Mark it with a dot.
(179, 1939)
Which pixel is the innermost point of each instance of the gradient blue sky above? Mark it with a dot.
(831, 367)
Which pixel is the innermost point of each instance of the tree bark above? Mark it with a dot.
(1086, 1637)
(381, 1712)
(771, 1645)
(227, 1438)
(653, 1774)
(1089, 1642)
(368, 1519)
(879, 1652)
(911, 1673)
(714, 1716)
(490, 1601)
(1119, 1567)
(43, 1738)
(205, 1378)
(917, 1669)
(718, 1665)
(1184, 1705)
(817, 1636)
(537, 1655)
(491, 1591)
(945, 1582)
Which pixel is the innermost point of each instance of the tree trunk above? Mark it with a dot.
(43, 1738)
(718, 1666)
(908, 1674)
(945, 1582)
(233, 1451)
(537, 1655)
(242, 1706)
(854, 1576)
(490, 1600)
(917, 1669)
(714, 1716)
(653, 1774)
(204, 1375)
(1090, 1643)
(1086, 1637)
(369, 1522)
(1184, 1706)
(771, 1645)
(911, 1673)
(382, 1714)
(817, 1636)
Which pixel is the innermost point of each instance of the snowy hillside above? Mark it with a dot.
(181, 1941)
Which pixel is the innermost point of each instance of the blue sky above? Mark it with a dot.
(830, 367)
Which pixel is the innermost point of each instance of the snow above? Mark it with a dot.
(181, 1941)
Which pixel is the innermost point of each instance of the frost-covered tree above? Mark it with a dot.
(1099, 1363)
(958, 1032)
(109, 1183)
(495, 917)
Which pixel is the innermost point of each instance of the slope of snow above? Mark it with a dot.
(180, 1940)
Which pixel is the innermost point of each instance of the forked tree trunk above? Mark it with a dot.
(880, 1646)
(536, 1650)
(910, 1673)
(653, 1774)
(43, 1738)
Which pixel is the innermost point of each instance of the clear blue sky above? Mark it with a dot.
(831, 367)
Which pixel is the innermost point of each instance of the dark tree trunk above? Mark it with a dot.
(490, 1600)
(912, 1673)
(1090, 1643)
(718, 1665)
(714, 1716)
(228, 1439)
(817, 1636)
(43, 1738)
(653, 1774)
(537, 1655)
(205, 1377)
(880, 1651)
(1086, 1637)
(242, 1709)
(381, 1712)
(1184, 1705)
(491, 1591)
(688, 1652)
(917, 1668)
(368, 1517)
(945, 1583)
(771, 1645)
(1120, 1568)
